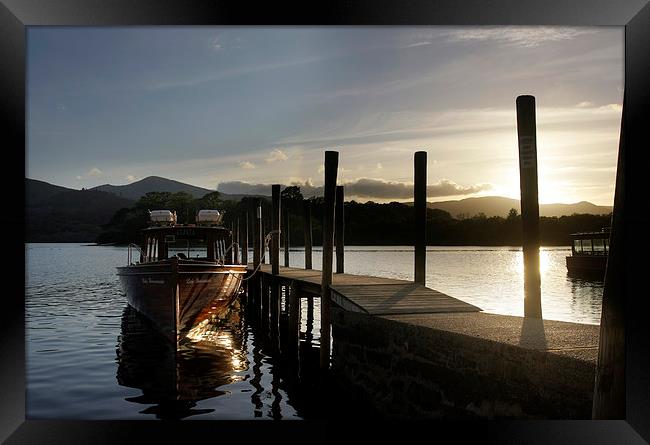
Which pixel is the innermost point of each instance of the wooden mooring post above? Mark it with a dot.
(244, 240)
(339, 228)
(306, 221)
(293, 301)
(285, 235)
(275, 257)
(420, 209)
(254, 286)
(331, 167)
(610, 387)
(529, 205)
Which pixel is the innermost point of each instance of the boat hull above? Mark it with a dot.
(177, 295)
(587, 265)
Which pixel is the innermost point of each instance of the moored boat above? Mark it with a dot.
(589, 252)
(186, 273)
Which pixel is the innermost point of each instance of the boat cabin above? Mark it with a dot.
(590, 243)
(205, 241)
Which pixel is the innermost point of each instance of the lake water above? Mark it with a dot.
(90, 356)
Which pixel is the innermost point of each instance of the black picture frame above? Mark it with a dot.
(16, 15)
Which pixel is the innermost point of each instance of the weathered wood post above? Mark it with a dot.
(244, 241)
(306, 211)
(609, 392)
(285, 235)
(238, 240)
(257, 282)
(275, 257)
(339, 229)
(294, 317)
(420, 209)
(529, 205)
(231, 251)
(331, 166)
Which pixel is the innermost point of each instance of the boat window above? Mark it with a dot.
(190, 247)
(577, 246)
(599, 246)
(586, 247)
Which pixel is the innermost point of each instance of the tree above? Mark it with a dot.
(512, 214)
(154, 201)
(211, 200)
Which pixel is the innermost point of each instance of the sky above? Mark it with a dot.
(239, 108)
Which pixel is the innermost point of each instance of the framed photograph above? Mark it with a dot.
(363, 213)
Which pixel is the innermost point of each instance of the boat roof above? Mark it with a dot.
(184, 227)
(604, 233)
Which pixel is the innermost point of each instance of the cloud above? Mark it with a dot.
(363, 188)
(130, 178)
(422, 43)
(379, 166)
(94, 172)
(79, 178)
(246, 165)
(277, 155)
(525, 37)
(215, 43)
(585, 104)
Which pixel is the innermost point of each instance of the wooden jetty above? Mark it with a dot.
(370, 295)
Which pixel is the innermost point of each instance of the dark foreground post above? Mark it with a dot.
(244, 241)
(331, 166)
(275, 259)
(238, 241)
(285, 236)
(294, 317)
(339, 230)
(529, 205)
(254, 287)
(275, 227)
(420, 209)
(609, 393)
(306, 208)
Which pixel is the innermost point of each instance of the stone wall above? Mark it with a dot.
(411, 371)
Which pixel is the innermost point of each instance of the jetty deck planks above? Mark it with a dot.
(375, 295)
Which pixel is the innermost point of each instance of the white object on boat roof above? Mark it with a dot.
(209, 216)
(166, 216)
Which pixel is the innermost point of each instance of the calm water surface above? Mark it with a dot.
(90, 356)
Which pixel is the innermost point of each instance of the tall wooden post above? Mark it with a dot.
(339, 229)
(244, 240)
(420, 209)
(238, 241)
(526, 129)
(275, 259)
(306, 207)
(257, 253)
(609, 393)
(331, 167)
(275, 224)
(285, 235)
(294, 316)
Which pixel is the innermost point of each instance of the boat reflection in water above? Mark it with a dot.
(174, 380)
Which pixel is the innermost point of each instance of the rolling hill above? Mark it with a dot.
(500, 206)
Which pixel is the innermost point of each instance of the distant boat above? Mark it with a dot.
(183, 275)
(589, 252)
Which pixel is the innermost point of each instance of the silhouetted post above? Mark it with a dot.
(331, 166)
(306, 208)
(254, 288)
(275, 224)
(231, 251)
(609, 393)
(339, 229)
(285, 236)
(244, 241)
(420, 209)
(275, 258)
(529, 205)
(294, 316)
(265, 302)
(238, 240)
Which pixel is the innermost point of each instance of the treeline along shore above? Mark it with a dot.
(366, 224)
